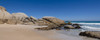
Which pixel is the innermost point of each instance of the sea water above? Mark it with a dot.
(88, 25)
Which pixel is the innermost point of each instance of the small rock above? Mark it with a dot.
(93, 34)
(69, 27)
(77, 26)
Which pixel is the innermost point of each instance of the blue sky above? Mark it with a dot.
(75, 10)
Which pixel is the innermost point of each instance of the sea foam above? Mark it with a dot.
(90, 26)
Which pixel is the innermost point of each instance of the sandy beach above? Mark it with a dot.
(27, 32)
(19, 32)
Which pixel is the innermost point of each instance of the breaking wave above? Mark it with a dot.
(90, 26)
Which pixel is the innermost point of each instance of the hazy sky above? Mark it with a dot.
(63, 9)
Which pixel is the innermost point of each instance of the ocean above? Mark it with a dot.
(88, 25)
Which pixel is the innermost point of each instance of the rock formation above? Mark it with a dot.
(4, 15)
(51, 22)
(15, 18)
(70, 25)
(21, 18)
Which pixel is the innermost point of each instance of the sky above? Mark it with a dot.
(73, 10)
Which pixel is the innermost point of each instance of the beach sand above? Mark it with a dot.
(27, 32)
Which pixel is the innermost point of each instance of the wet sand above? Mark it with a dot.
(27, 32)
(75, 33)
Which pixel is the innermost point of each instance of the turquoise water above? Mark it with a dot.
(89, 25)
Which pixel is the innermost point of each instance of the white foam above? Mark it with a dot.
(90, 28)
(90, 23)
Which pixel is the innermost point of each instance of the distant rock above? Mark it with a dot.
(93, 34)
(69, 23)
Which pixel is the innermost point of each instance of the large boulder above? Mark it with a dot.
(94, 34)
(51, 22)
(22, 18)
(54, 20)
(19, 16)
(4, 15)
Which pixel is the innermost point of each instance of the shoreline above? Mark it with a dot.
(27, 32)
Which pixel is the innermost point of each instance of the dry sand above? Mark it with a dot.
(19, 32)
(27, 32)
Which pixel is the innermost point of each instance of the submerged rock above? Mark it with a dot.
(93, 34)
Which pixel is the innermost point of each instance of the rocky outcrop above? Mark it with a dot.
(54, 20)
(70, 25)
(4, 15)
(77, 26)
(19, 16)
(55, 23)
(94, 34)
(22, 18)
(51, 22)
(15, 18)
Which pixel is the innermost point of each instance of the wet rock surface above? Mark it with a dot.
(70, 25)
(93, 34)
